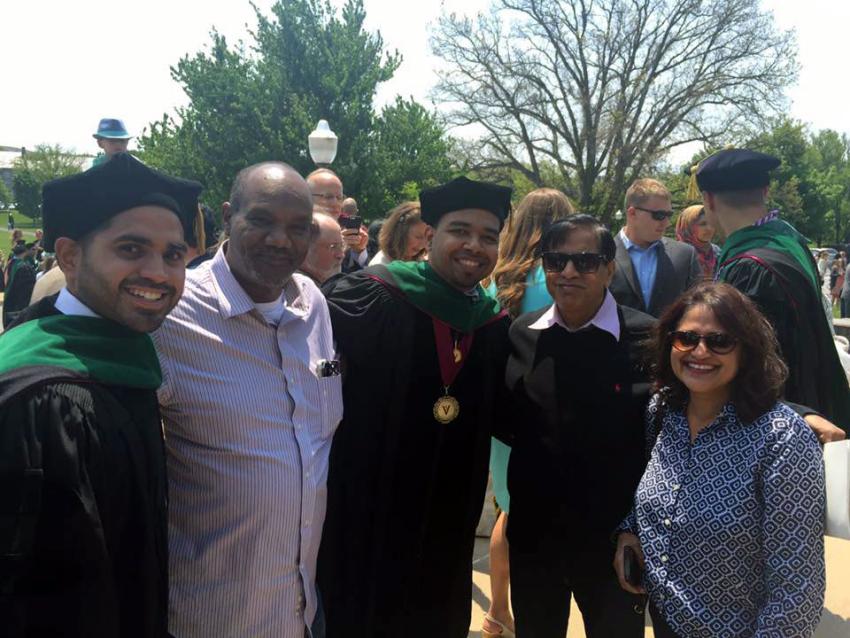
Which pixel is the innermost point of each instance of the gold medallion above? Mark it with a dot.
(446, 409)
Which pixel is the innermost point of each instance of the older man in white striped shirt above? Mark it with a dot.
(251, 397)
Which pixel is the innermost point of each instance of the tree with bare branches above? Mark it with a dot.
(605, 89)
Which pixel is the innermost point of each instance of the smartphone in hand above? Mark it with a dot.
(631, 567)
(350, 223)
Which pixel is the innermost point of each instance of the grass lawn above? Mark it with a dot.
(24, 223)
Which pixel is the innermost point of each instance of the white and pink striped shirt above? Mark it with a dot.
(248, 425)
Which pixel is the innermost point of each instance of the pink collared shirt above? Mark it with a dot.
(605, 319)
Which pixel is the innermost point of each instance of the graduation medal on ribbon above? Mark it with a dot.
(451, 351)
(446, 408)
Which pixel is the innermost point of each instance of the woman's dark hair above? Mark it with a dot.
(557, 234)
(761, 371)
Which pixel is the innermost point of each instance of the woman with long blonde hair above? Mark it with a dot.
(520, 285)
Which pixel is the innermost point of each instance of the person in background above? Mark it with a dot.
(328, 198)
(404, 236)
(19, 285)
(728, 517)
(408, 473)
(769, 261)
(519, 283)
(47, 263)
(83, 549)
(327, 250)
(250, 399)
(112, 137)
(10, 224)
(652, 270)
(204, 248)
(577, 393)
(845, 294)
(823, 263)
(694, 229)
(374, 234)
(349, 207)
(836, 280)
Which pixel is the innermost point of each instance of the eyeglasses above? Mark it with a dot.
(657, 215)
(584, 262)
(717, 342)
(334, 247)
(330, 196)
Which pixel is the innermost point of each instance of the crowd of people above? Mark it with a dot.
(284, 426)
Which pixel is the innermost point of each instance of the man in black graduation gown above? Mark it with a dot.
(423, 351)
(83, 548)
(767, 259)
(20, 285)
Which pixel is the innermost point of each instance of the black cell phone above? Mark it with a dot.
(631, 567)
(351, 223)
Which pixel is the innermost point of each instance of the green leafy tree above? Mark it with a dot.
(260, 101)
(5, 196)
(36, 167)
(408, 151)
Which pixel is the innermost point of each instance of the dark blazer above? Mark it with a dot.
(678, 270)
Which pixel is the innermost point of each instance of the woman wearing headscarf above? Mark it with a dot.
(694, 229)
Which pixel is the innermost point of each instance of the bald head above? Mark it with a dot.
(265, 175)
(268, 221)
(327, 250)
(326, 187)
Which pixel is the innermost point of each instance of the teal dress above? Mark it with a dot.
(536, 296)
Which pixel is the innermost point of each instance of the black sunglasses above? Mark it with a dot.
(657, 215)
(717, 342)
(583, 262)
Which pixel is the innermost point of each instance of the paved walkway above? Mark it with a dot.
(835, 622)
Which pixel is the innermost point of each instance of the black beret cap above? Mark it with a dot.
(735, 170)
(76, 205)
(461, 193)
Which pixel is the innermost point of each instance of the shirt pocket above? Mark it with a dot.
(330, 402)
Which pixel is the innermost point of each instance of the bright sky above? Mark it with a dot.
(67, 64)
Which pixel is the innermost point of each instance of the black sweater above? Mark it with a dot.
(577, 430)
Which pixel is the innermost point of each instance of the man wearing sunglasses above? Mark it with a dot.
(652, 270)
(579, 392)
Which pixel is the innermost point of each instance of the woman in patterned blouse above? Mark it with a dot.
(728, 518)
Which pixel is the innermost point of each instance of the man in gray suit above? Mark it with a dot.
(652, 270)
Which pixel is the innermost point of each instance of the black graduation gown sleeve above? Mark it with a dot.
(82, 515)
(785, 296)
(18, 295)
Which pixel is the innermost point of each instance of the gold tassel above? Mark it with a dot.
(693, 192)
(200, 237)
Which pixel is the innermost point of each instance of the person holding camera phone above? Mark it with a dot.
(727, 522)
(328, 198)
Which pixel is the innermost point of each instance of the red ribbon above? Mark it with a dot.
(446, 345)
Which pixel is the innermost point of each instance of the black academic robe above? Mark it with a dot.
(83, 530)
(785, 294)
(17, 296)
(404, 491)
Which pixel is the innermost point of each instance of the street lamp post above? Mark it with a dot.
(322, 143)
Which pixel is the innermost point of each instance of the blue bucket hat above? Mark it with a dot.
(112, 129)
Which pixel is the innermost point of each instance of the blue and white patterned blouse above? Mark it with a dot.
(732, 525)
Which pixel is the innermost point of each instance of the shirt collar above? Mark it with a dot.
(629, 244)
(606, 318)
(771, 216)
(68, 304)
(234, 301)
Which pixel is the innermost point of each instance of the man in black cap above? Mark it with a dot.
(20, 284)
(83, 548)
(423, 349)
(767, 259)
